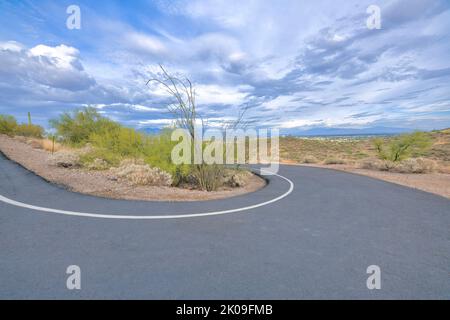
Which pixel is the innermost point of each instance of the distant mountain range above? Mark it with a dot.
(326, 131)
(344, 131)
(150, 130)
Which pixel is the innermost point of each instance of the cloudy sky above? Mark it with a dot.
(295, 64)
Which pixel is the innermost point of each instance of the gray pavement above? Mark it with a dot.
(315, 243)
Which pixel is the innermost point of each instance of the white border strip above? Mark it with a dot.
(134, 217)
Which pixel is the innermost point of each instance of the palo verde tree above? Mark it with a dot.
(403, 146)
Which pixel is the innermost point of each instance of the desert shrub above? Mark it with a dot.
(132, 161)
(309, 159)
(157, 152)
(370, 164)
(76, 127)
(415, 165)
(412, 165)
(8, 125)
(401, 147)
(98, 164)
(236, 178)
(142, 174)
(30, 130)
(208, 177)
(66, 159)
(91, 155)
(334, 161)
(377, 164)
(116, 143)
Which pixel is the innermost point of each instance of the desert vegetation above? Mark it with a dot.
(99, 143)
(417, 152)
(84, 139)
(10, 127)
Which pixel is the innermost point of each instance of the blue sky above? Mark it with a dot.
(296, 64)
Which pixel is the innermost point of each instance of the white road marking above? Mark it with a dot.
(146, 217)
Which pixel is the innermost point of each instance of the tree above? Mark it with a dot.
(8, 125)
(77, 126)
(402, 146)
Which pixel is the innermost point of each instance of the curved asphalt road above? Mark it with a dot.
(315, 243)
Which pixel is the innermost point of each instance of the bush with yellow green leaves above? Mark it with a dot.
(8, 125)
(403, 146)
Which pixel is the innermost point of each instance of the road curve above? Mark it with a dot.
(315, 242)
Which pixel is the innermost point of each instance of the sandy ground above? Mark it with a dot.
(99, 183)
(437, 183)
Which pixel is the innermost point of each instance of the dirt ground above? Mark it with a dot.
(437, 183)
(99, 183)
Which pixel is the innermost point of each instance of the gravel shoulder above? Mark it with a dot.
(436, 183)
(99, 183)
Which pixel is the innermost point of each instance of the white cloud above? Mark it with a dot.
(61, 56)
(53, 67)
(215, 94)
(11, 46)
(157, 122)
(145, 43)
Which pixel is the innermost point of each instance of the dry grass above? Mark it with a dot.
(44, 144)
(49, 146)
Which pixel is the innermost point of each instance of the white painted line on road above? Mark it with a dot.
(147, 217)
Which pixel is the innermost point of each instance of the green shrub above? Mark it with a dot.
(8, 125)
(158, 153)
(112, 143)
(122, 141)
(401, 147)
(88, 159)
(76, 127)
(29, 130)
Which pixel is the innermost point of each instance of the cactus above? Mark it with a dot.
(29, 118)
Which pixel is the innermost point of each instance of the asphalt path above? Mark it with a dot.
(309, 234)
